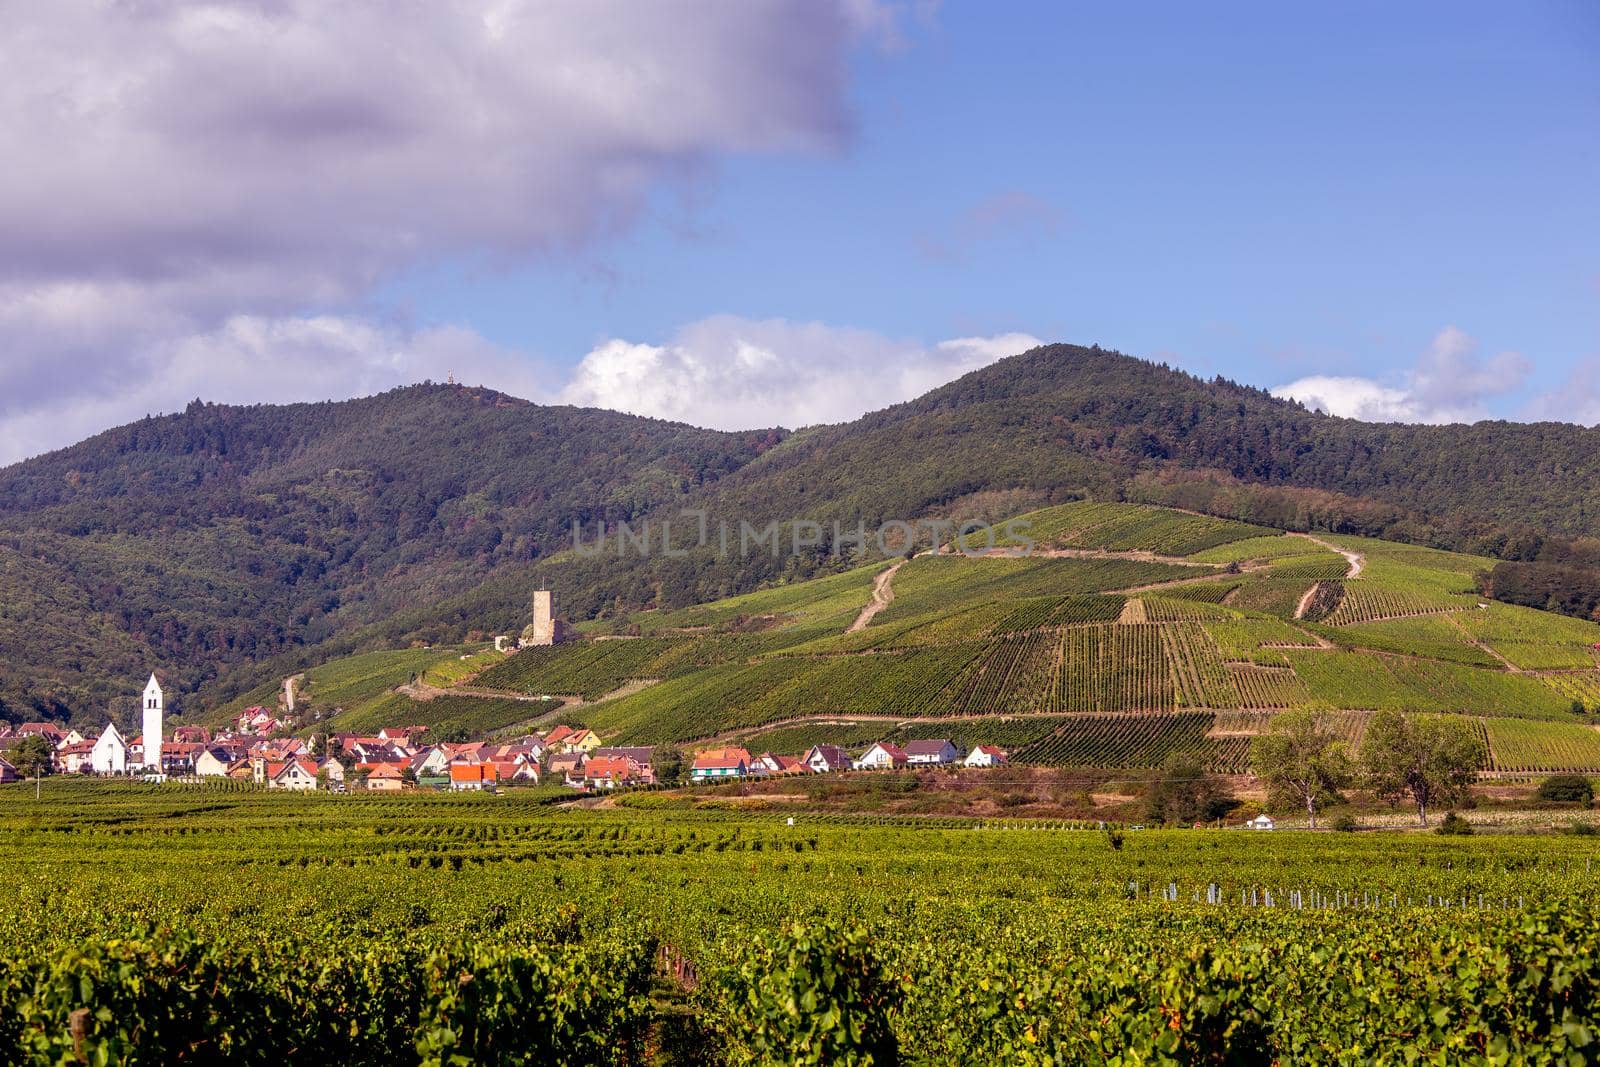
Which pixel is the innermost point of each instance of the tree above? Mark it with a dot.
(1300, 757)
(1567, 789)
(34, 757)
(1185, 793)
(667, 763)
(1432, 760)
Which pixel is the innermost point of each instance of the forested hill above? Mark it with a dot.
(204, 543)
(1064, 416)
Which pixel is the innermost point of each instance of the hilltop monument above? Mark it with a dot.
(153, 701)
(545, 629)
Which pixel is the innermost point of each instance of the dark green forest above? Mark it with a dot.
(224, 544)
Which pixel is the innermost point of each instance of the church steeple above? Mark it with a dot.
(154, 700)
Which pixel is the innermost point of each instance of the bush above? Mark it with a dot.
(1566, 789)
(1344, 822)
(1583, 829)
(1454, 825)
(811, 995)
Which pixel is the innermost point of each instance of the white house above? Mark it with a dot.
(882, 756)
(110, 753)
(212, 763)
(931, 752)
(1262, 822)
(824, 758)
(293, 774)
(713, 767)
(985, 756)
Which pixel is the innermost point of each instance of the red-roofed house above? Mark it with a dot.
(985, 756)
(292, 774)
(882, 756)
(472, 776)
(767, 763)
(386, 778)
(608, 772)
(717, 767)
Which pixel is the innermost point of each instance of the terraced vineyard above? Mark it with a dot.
(1133, 528)
(1135, 741)
(1104, 628)
(1520, 745)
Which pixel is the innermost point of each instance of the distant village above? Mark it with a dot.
(256, 749)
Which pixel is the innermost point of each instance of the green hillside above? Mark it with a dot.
(225, 546)
(1132, 632)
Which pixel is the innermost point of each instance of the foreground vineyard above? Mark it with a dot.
(219, 925)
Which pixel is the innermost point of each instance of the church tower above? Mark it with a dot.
(153, 699)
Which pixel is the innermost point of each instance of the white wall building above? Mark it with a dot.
(110, 753)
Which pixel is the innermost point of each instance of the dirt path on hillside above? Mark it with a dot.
(422, 691)
(882, 597)
(1133, 555)
(1156, 587)
(1357, 561)
(1509, 666)
(1304, 606)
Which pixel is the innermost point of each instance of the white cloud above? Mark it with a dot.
(1578, 400)
(1451, 382)
(253, 359)
(734, 373)
(177, 171)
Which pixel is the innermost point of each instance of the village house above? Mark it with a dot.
(767, 763)
(47, 730)
(985, 756)
(386, 778)
(75, 758)
(213, 762)
(292, 774)
(822, 759)
(580, 741)
(934, 752)
(258, 722)
(512, 771)
(644, 772)
(472, 777)
(717, 768)
(8, 773)
(608, 772)
(569, 766)
(882, 756)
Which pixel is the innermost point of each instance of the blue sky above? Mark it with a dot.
(797, 211)
(1263, 191)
